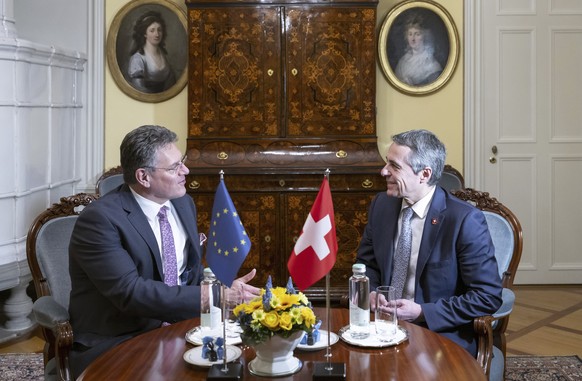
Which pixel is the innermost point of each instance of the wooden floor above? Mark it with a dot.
(546, 320)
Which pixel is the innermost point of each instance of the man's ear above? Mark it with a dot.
(143, 177)
(425, 174)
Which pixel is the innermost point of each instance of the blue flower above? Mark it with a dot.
(290, 288)
(268, 295)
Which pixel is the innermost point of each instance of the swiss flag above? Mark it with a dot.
(315, 251)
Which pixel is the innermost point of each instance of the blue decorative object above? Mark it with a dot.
(219, 343)
(312, 337)
(212, 349)
(207, 347)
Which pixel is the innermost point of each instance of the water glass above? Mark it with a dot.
(232, 299)
(386, 322)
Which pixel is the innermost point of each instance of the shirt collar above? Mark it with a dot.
(420, 208)
(149, 207)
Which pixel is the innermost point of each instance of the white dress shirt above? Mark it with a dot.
(151, 210)
(420, 209)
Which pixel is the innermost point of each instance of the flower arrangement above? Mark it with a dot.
(277, 311)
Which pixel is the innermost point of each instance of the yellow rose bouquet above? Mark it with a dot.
(277, 311)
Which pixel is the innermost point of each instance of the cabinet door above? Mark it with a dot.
(234, 72)
(331, 71)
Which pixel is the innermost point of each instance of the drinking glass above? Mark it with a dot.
(385, 322)
(233, 298)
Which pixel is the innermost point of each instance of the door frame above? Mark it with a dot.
(472, 119)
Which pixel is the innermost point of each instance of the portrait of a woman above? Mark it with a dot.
(418, 47)
(149, 69)
(418, 66)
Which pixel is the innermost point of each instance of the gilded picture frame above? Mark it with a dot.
(418, 47)
(147, 65)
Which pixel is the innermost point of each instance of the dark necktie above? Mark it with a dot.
(402, 255)
(168, 249)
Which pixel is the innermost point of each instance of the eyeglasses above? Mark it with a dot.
(174, 168)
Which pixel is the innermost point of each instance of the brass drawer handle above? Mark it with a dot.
(270, 72)
(341, 154)
(194, 185)
(294, 71)
(282, 182)
(367, 184)
(267, 238)
(222, 155)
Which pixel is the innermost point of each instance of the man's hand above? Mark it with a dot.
(240, 285)
(407, 310)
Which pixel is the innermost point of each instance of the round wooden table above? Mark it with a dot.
(158, 355)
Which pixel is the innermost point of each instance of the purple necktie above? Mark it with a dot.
(402, 255)
(168, 249)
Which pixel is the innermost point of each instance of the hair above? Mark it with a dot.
(140, 147)
(426, 150)
(140, 28)
(418, 21)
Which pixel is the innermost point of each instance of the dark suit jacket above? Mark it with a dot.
(457, 278)
(116, 274)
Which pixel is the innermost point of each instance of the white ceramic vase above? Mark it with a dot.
(275, 356)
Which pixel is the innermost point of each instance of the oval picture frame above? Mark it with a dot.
(120, 44)
(420, 74)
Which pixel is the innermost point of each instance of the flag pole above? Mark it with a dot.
(223, 305)
(328, 371)
(232, 372)
(327, 303)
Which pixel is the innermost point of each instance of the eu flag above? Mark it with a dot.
(228, 243)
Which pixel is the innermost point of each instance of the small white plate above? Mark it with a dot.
(372, 341)
(196, 334)
(194, 356)
(322, 343)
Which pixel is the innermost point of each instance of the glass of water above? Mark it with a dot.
(232, 299)
(385, 319)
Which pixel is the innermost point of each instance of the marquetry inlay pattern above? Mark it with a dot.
(235, 78)
(279, 92)
(330, 92)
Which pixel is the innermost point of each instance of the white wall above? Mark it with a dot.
(51, 110)
(64, 22)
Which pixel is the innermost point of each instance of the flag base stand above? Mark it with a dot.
(234, 372)
(325, 371)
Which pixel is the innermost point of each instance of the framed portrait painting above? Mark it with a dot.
(418, 47)
(147, 50)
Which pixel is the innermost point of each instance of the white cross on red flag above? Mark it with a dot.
(315, 250)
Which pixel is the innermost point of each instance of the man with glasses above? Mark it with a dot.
(135, 253)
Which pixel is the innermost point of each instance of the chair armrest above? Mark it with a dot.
(49, 313)
(508, 297)
(483, 326)
(55, 318)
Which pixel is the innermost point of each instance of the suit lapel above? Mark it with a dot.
(139, 221)
(386, 256)
(435, 218)
(189, 222)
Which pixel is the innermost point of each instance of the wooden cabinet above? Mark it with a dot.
(274, 208)
(278, 92)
